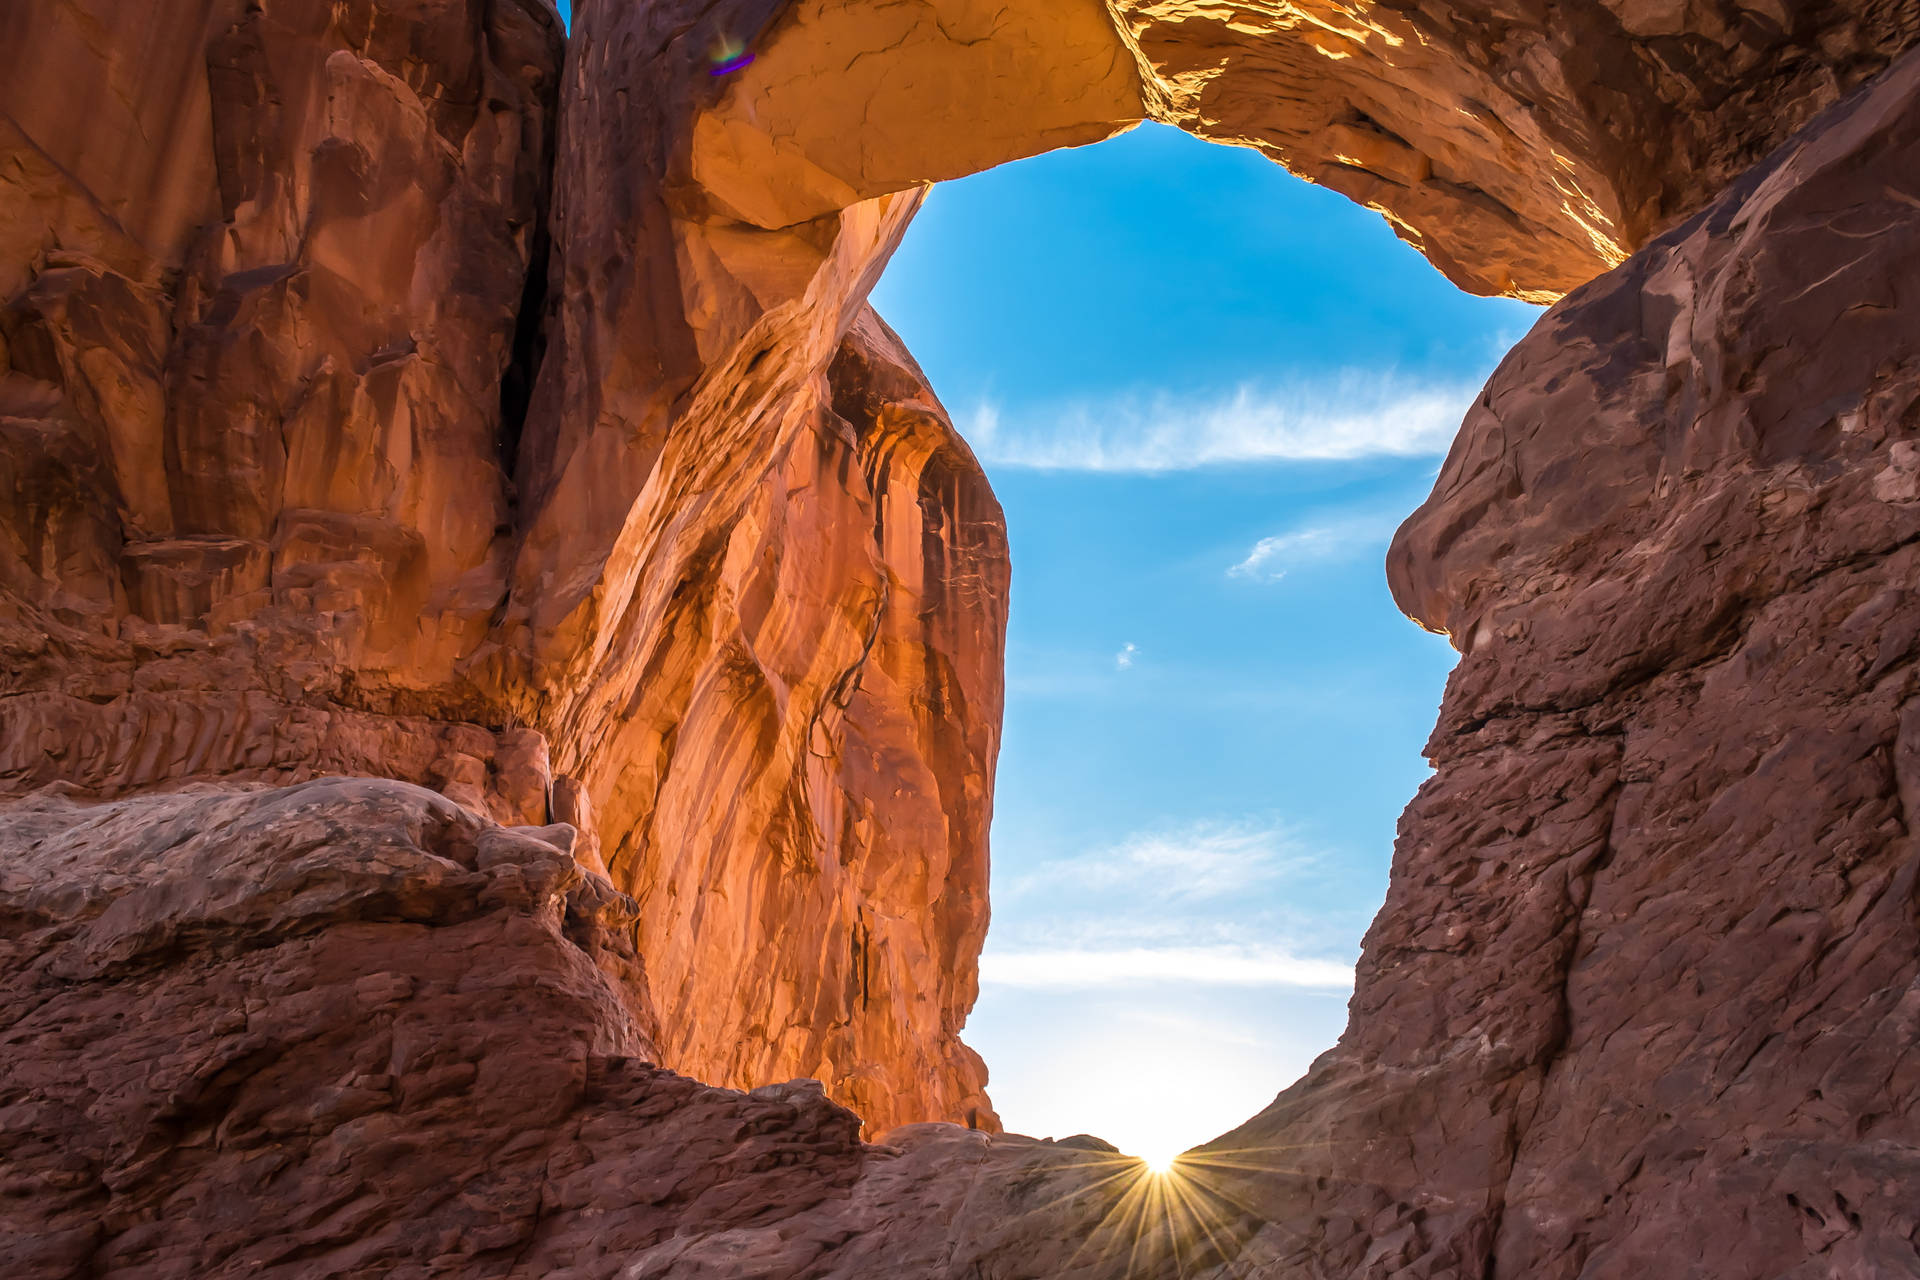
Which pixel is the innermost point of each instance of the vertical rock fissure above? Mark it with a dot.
(529, 345)
(529, 348)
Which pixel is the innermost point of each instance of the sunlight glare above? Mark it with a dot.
(1159, 1162)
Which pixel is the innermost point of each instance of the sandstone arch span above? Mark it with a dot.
(699, 301)
(671, 561)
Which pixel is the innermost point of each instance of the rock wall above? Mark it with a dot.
(263, 274)
(382, 396)
(292, 487)
(1522, 147)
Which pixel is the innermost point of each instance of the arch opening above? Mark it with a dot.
(1205, 392)
(722, 392)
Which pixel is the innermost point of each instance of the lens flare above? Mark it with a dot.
(728, 57)
(1159, 1163)
(1186, 1216)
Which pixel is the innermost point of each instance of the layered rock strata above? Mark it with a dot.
(360, 419)
(1639, 1001)
(277, 506)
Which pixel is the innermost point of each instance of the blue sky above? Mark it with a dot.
(1206, 392)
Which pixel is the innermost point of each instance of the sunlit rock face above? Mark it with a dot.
(759, 604)
(262, 269)
(1523, 149)
(395, 390)
(293, 490)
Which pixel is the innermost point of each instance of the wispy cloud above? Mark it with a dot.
(1205, 860)
(1208, 903)
(1221, 965)
(1355, 415)
(1124, 659)
(1270, 558)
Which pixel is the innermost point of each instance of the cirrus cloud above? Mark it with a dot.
(1218, 965)
(1269, 559)
(1344, 418)
(1207, 904)
(1200, 861)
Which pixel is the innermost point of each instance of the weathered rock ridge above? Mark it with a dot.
(399, 390)
(277, 507)
(1522, 147)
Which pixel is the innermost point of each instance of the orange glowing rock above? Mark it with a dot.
(401, 390)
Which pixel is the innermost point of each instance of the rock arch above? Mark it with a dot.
(720, 576)
(701, 302)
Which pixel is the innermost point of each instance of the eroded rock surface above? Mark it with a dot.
(262, 273)
(381, 396)
(280, 500)
(350, 1028)
(760, 600)
(1522, 148)
(1640, 1001)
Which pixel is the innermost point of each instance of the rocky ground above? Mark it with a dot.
(503, 648)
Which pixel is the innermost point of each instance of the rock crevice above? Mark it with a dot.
(661, 611)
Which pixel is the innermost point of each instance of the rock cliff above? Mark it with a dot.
(1523, 147)
(292, 489)
(399, 390)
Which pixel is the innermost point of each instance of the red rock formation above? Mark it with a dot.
(310, 471)
(761, 602)
(700, 301)
(1639, 1000)
(262, 280)
(272, 323)
(1522, 147)
(349, 1028)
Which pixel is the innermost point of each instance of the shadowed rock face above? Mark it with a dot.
(1640, 1001)
(349, 1027)
(380, 396)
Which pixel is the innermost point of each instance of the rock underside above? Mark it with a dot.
(503, 647)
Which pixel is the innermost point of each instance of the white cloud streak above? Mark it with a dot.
(1356, 415)
(1124, 659)
(1203, 861)
(1270, 558)
(1220, 965)
(1208, 904)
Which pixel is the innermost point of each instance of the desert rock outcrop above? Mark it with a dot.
(349, 1027)
(288, 495)
(404, 391)
(1522, 148)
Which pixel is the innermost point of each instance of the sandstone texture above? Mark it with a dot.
(275, 281)
(350, 1028)
(503, 647)
(1523, 147)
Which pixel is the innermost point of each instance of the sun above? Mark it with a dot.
(1159, 1163)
